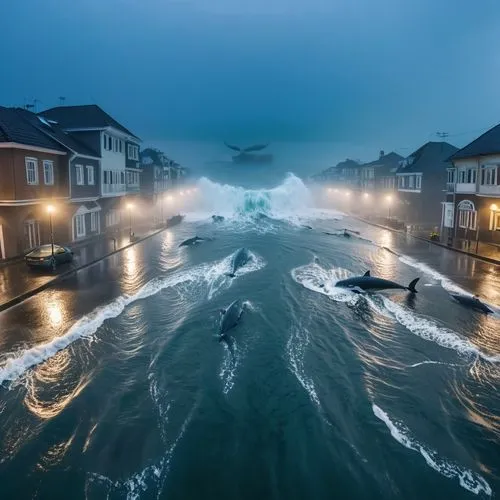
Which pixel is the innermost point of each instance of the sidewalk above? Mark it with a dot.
(18, 281)
(485, 251)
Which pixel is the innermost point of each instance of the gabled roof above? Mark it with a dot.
(431, 155)
(86, 116)
(15, 128)
(55, 132)
(388, 160)
(486, 144)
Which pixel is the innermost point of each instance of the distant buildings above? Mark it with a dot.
(79, 161)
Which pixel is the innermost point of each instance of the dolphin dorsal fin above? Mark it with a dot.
(367, 273)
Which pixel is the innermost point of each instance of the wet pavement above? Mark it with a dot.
(17, 278)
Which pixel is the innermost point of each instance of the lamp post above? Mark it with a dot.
(50, 211)
(389, 203)
(129, 208)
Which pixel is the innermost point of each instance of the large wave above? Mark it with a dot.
(289, 199)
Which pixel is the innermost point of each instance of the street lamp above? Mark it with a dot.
(50, 210)
(388, 198)
(130, 206)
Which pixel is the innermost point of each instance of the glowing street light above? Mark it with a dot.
(493, 208)
(50, 210)
(366, 195)
(181, 193)
(347, 193)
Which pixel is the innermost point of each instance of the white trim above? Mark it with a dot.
(79, 217)
(84, 210)
(111, 129)
(79, 168)
(90, 168)
(2, 245)
(48, 163)
(401, 174)
(85, 129)
(33, 201)
(468, 204)
(82, 200)
(16, 145)
(94, 217)
(31, 160)
(410, 190)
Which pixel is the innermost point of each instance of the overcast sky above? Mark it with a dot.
(389, 71)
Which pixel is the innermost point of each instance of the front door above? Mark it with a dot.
(31, 234)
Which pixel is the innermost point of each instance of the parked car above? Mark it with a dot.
(42, 256)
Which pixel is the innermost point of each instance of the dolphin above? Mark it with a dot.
(241, 257)
(367, 282)
(217, 218)
(306, 226)
(230, 318)
(471, 302)
(344, 233)
(191, 241)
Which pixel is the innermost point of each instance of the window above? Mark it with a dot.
(121, 146)
(451, 176)
(133, 152)
(94, 221)
(122, 177)
(106, 177)
(462, 176)
(90, 175)
(467, 219)
(411, 181)
(471, 175)
(31, 171)
(80, 225)
(489, 175)
(80, 181)
(48, 172)
(418, 182)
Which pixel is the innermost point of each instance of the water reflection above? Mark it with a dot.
(49, 389)
(55, 454)
(170, 258)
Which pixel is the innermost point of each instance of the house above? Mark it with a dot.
(117, 149)
(421, 182)
(380, 174)
(82, 211)
(34, 173)
(472, 207)
(344, 173)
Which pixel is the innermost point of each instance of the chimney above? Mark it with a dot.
(382, 153)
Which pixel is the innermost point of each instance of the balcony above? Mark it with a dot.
(489, 190)
(465, 187)
(114, 189)
(450, 187)
(133, 188)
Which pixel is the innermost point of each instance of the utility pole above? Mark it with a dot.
(62, 99)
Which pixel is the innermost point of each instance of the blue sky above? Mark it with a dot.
(391, 72)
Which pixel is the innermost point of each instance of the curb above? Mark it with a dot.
(442, 245)
(30, 293)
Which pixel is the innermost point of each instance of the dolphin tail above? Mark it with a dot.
(231, 275)
(367, 273)
(411, 286)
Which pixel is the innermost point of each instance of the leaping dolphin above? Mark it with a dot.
(230, 318)
(192, 241)
(367, 282)
(471, 302)
(241, 257)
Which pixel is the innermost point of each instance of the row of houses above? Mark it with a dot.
(79, 161)
(438, 187)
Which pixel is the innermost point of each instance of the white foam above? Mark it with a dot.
(445, 282)
(291, 200)
(316, 278)
(16, 364)
(429, 330)
(467, 479)
(296, 348)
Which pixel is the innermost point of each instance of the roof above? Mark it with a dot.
(486, 144)
(14, 127)
(86, 116)
(386, 164)
(57, 133)
(430, 154)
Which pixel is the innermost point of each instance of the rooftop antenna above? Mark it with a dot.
(442, 135)
(62, 99)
